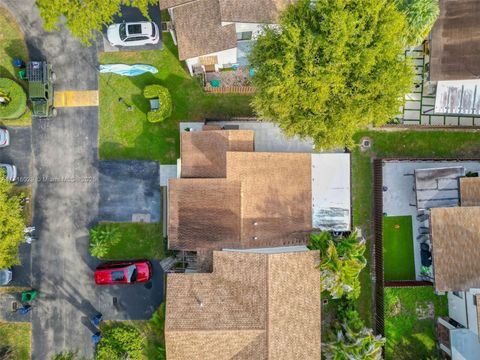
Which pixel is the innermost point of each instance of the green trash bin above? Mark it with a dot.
(29, 295)
(22, 74)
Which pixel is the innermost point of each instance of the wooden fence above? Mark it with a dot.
(230, 89)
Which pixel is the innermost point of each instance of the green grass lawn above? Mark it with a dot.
(127, 134)
(12, 45)
(408, 335)
(396, 143)
(137, 241)
(17, 337)
(398, 255)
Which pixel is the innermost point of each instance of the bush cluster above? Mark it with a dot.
(163, 95)
(17, 99)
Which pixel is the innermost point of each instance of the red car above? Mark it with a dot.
(123, 272)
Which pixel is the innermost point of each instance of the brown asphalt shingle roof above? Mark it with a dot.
(253, 306)
(456, 248)
(265, 201)
(470, 191)
(203, 214)
(198, 23)
(199, 30)
(455, 51)
(253, 11)
(204, 152)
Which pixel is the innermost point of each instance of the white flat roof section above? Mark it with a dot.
(331, 200)
(458, 97)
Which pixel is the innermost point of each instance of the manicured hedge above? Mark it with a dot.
(18, 103)
(162, 93)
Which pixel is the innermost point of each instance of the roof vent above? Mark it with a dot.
(255, 237)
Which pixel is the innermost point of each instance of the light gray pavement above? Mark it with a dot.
(66, 196)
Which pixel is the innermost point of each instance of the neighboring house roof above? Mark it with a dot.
(455, 53)
(265, 201)
(198, 23)
(470, 191)
(203, 153)
(253, 306)
(253, 11)
(199, 30)
(456, 248)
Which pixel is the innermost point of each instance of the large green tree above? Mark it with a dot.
(12, 224)
(85, 18)
(341, 261)
(421, 15)
(332, 68)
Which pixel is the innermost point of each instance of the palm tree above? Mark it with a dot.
(421, 15)
(341, 261)
(354, 345)
(102, 238)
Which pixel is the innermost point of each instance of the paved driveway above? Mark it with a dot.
(19, 153)
(66, 197)
(129, 191)
(130, 14)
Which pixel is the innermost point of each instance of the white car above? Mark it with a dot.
(10, 171)
(4, 137)
(5, 276)
(133, 34)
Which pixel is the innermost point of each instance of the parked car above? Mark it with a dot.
(133, 34)
(4, 138)
(123, 272)
(5, 276)
(10, 171)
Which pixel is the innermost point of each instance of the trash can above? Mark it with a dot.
(29, 295)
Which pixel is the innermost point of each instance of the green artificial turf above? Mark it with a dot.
(398, 255)
(137, 241)
(126, 134)
(410, 318)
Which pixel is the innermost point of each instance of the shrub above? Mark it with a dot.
(163, 95)
(12, 224)
(121, 342)
(102, 238)
(17, 104)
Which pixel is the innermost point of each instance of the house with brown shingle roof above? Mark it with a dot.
(215, 34)
(455, 236)
(231, 197)
(253, 306)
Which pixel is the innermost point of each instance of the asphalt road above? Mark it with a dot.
(66, 198)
